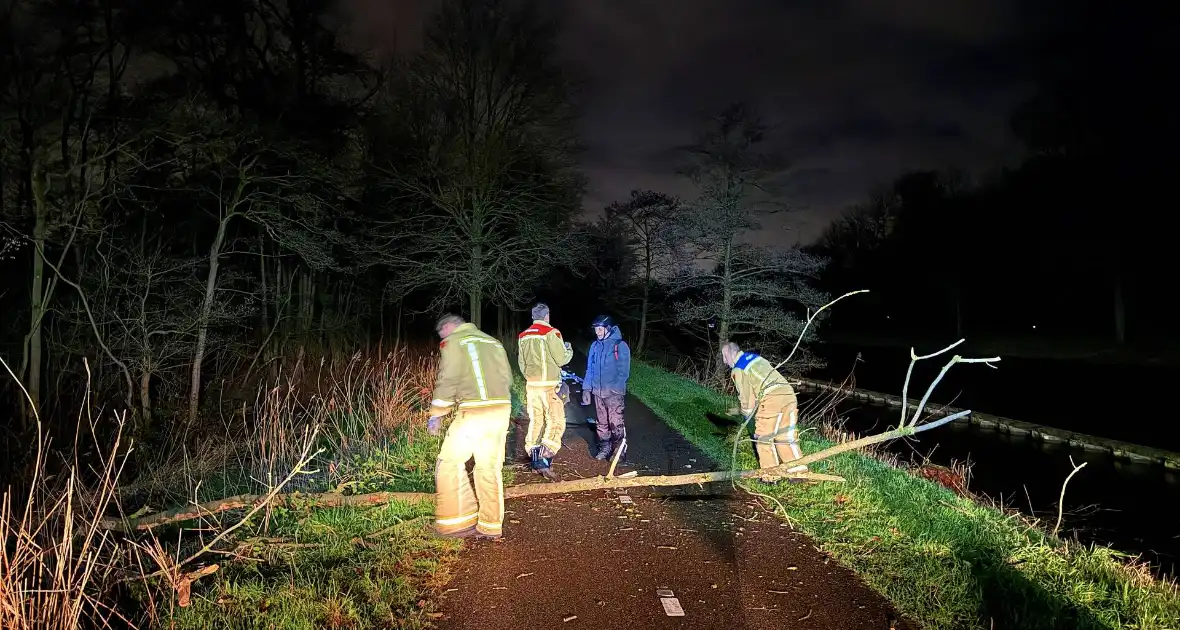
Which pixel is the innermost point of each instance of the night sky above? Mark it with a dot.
(859, 90)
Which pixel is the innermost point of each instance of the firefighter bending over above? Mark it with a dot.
(763, 392)
(473, 380)
(540, 354)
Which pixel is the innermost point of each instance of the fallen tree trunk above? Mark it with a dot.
(602, 483)
(781, 471)
(332, 499)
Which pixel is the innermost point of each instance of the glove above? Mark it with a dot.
(586, 396)
(434, 425)
(734, 411)
(541, 458)
(563, 392)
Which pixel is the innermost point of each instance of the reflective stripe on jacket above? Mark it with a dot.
(755, 379)
(540, 354)
(473, 371)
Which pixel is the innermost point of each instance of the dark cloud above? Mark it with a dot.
(962, 22)
(858, 91)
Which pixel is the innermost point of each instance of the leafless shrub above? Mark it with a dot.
(57, 563)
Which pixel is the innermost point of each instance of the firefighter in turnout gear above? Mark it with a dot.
(473, 381)
(763, 392)
(540, 354)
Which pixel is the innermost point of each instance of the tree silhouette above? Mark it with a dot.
(745, 288)
(486, 133)
(648, 223)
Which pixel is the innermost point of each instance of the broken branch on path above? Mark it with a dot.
(603, 483)
(332, 499)
(615, 462)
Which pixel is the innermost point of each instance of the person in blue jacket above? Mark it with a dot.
(608, 366)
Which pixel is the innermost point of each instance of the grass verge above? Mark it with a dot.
(944, 560)
(309, 567)
(327, 568)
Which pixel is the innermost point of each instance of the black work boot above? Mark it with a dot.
(603, 450)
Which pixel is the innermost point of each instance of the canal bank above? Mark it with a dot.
(1111, 501)
(948, 561)
(1118, 449)
(1119, 501)
(1123, 496)
(1115, 402)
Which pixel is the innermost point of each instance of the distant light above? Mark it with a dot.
(1034, 326)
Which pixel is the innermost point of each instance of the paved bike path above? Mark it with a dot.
(591, 560)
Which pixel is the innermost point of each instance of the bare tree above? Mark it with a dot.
(240, 177)
(149, 311)
(745, 289)
(62, 62)
(483, 160)
(648, 222)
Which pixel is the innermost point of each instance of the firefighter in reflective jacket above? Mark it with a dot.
(473, 381)
(763, 392)
(540, 354)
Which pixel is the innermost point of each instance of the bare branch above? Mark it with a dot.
(1061, 499)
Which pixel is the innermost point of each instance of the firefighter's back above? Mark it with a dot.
(487, 376)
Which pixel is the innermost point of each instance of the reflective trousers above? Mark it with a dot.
(479, 433)
(546, 418)
(776, 436)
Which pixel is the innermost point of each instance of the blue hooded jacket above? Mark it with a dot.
(608, 366)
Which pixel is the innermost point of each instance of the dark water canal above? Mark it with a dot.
(1130, 506)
